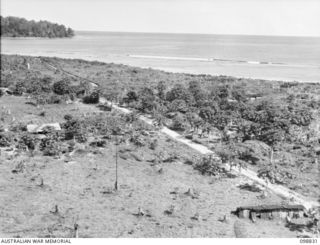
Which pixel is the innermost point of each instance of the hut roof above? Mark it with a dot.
(271, 208)
(34, 128)
(6, 90)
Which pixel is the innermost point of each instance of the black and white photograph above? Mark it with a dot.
(159, 119)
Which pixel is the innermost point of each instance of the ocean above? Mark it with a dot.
(264, 57)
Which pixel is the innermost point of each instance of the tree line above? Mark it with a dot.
(20, 27)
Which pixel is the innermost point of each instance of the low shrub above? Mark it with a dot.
(6, 139)
(42, 114)
(55, 99)
(137, 140)
(50, 146)
(18, 127)
(19, 88)
(154, 144)
(208, 165)
(28, 141)
(178, 105)
(179, 123)
(62, 87)
(98, 143)
(68, 117)
(6, 79)
(93, 98)
(38, 85)
(74, 129)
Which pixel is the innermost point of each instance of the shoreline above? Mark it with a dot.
(163, 69)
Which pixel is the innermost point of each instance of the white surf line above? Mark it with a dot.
(250, 62)
(169, 57)
(277, 189)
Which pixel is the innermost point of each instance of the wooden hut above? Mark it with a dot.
(270, 211)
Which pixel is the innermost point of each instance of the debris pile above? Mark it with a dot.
(270, 212)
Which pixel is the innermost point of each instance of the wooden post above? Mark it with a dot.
(116, 183)
(253, 216)
(271, 157)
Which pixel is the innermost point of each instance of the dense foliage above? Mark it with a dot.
(226, 108)
(20, 27)
(43, 89)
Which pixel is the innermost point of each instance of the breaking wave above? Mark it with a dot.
(217, 60)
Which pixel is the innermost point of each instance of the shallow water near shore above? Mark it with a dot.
(272, 58)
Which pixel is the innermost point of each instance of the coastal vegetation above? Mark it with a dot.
(20, 27)
(271, 127)
(268, 125)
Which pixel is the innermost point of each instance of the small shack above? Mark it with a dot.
(270, 211)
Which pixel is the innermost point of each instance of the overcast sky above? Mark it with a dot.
(252, 17)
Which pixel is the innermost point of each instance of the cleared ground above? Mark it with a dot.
(81, 187)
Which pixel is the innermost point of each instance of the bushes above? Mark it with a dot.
(301, 117)
(28, 141)
(62, 87)
(38, 85)
(19, 88)
(68, 117)
(131, 96)
(161, 88)
(51, 146)
(93, 98)
(179, 123)
(179, 106)
(227, 154)
(6, 139)
(207, 113)
(154, 144)
(74, 129)
(56, 99)
(131, 117)
(33, 83)
(137, 140)
(147, 100)
(6, 79)
(208, 165)
(181, 93)
(18, 127)
(102, 124)
(40, 99)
